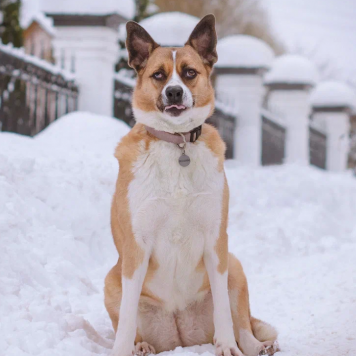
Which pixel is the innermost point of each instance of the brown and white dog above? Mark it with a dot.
(175, 284)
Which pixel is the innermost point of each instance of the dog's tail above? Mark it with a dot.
(263, 331)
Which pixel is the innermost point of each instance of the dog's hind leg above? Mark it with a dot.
(113, 294)
(253, 336)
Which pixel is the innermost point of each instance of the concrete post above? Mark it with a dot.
(288, 83)
(332, 102)
(337, 122)
(291, 102)
(245, 88)
(91, 53)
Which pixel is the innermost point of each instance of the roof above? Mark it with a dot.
(292, 69)
(241, 51)
(333, 94)
(46, 23)
(170, 28)
(125, 8)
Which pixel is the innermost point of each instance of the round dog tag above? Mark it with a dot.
(184, 160)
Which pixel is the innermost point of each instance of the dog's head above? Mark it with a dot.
(173, 91)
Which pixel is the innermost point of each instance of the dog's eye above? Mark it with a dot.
(158, 76)
(190, 73)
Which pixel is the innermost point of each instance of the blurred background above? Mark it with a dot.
(285, 88)
(285, 80)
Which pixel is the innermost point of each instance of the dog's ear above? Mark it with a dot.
(139, 45)
(203, 39)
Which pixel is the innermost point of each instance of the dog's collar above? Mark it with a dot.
(176, 138)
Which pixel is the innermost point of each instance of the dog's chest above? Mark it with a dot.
(174, 211)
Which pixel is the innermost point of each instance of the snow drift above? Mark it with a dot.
(293, 227)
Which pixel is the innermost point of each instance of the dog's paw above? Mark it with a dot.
(227, 349)
(269, 348)
(143, 349)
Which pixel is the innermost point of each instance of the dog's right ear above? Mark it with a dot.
(139, 45)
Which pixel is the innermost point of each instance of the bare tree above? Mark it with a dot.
(232, 16)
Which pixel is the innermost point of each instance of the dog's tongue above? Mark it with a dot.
(179, 107)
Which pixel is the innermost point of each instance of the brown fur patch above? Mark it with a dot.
(127, 152)
(211, 137)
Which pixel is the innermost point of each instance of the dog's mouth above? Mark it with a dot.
(175, 110)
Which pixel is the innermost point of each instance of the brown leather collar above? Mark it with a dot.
(176, 138)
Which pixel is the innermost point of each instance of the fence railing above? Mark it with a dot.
(273, 142)
(317, 147)
(123, 88)
(225, 123)
(33, 93)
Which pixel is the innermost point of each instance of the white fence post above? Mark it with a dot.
(288, 84)
(239, 76)
(91, 52)
(332, 102)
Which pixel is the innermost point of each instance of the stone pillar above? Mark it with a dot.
(337, 120)
(332, 102)
(288, 86)
(239, 77)
(91, 53)
(244, 87)
(291, 102)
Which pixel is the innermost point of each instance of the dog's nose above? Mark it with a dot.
(174, 94)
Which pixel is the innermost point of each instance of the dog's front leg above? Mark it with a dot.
(131, 291)
(224, 338)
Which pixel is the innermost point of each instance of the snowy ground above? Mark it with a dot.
(294, 228)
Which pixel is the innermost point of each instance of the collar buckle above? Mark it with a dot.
(195, 134)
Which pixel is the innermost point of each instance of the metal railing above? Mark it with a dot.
(33, 93)
(273, 142)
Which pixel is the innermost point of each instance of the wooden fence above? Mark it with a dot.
(33, 93)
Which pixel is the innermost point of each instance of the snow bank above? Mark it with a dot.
(333, 93)
(244, 51)
(293, 228)
(291, 68)
(170, 28)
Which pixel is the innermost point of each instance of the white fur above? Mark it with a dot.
(174, 211)
(131, 290)
(186, 121)
(175, 80)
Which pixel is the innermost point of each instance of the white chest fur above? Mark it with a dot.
(175, 211)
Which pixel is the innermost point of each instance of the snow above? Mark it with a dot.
(20, 53)
(125, 8)
(45, 22)
(243, 51)
(170, 28)
(292, 68)
(292, 227)
(333, 93)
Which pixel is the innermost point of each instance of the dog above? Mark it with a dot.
(175, 283)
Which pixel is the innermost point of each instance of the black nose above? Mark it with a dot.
(174, 94)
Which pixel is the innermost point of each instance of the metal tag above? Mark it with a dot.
(184, 160)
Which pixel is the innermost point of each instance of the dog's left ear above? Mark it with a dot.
(203, 39)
